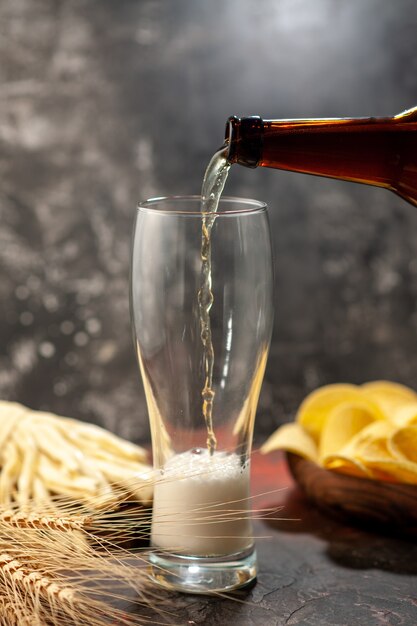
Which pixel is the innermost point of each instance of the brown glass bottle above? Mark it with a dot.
(375, 151)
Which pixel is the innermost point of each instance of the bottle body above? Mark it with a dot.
(374, 151)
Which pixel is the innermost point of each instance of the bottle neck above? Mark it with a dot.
(374, 151)
(244, 137)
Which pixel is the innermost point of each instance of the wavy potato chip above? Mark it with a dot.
(378, 430)
(346, 465)
(375, 449)
(371, 451)
(344, 422)
(405, 415)
(368, 442)
(315, 409)
(393, 470)
(403, 444)
(388, 395)
(292, 438)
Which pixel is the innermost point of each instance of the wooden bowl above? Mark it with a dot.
(392, 506)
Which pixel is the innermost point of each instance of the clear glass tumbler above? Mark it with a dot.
(201, 533)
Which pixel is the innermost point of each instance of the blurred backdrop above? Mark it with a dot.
(103, 103)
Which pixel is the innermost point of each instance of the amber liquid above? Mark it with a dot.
(374, 151)
(213, 184)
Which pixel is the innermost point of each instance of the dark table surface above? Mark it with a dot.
(313, 569)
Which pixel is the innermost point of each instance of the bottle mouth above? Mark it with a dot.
(244, 137)
(230, 137)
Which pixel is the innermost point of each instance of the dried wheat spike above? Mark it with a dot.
(12, 615)
(13, 568)
(22, 519)
(33, 598)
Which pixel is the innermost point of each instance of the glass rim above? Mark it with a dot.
(248, 206)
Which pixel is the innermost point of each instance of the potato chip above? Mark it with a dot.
(346, 465)
(315, 409)
(376, 449)
(405, 415)
(403, 444)
(348, 454)
(392, 470)
(343, 423)
(293, 438)
(370, 442)
(375, 432)
(388, 395)
(371, 448)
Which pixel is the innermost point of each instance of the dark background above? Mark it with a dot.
(103, 103)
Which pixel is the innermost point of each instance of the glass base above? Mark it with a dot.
(194, 574)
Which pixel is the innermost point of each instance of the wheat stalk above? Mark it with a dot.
(14, 571)
(53, 598)
(10, 615)
(24, 519)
